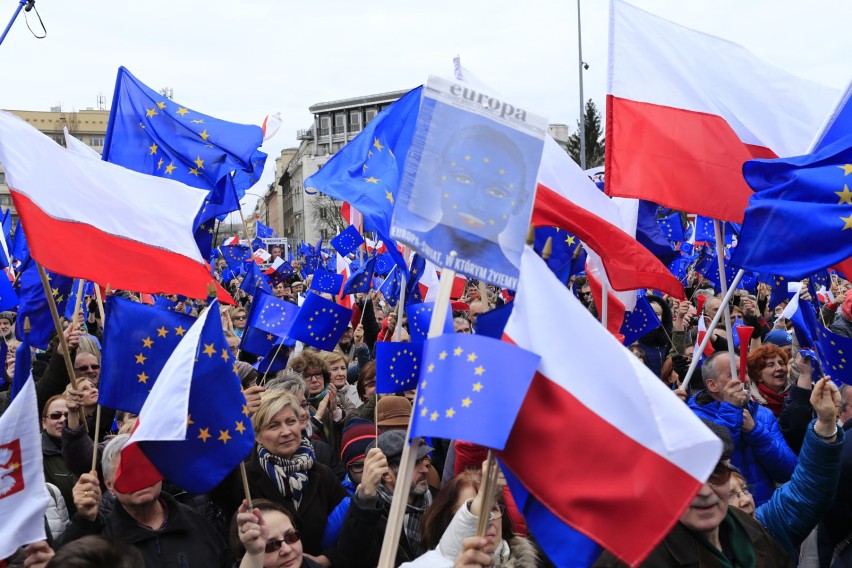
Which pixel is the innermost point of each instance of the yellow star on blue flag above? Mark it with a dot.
(320, 322)
(471, 388)
(397, 366)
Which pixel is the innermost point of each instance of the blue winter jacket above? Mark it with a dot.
(762, 454)
(335, 518)
(797, 506)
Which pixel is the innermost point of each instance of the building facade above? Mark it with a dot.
(88, 125)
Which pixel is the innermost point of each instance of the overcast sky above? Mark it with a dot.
(242, 60)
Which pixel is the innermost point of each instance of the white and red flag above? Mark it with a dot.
(23, 493)
(102, 222)
(686, 109)
(631, 456)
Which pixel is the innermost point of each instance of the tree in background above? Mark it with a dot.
(595, 140)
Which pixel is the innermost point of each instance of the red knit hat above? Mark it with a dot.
(357, 435)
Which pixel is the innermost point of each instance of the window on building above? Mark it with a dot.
(96, 141)
(355, 120)
(369, 114)
(339, 123)
(325, 126)
(5, 200)
(58, 138)
(2, 178)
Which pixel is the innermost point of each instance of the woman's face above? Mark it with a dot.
(90, 392)
(494, 533)
(314, 380)
(279, 528)
(239, 319)
(741, 497)
(54, 420)
(774, 374)
(338, 371)
(282, 435)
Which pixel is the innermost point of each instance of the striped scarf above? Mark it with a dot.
(289, 474)
(413, 517)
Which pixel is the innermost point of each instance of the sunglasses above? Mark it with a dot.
(720, 476)
(239, 317)
(84, 368)
(57, 415)
(289, 538)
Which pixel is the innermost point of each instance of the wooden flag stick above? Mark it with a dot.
(274, 355)
(66, 354)
(97, 429)
(487, 484)
(100, 303)
(246, 485)
(79, 299)
(397, 332)
(402, 486)
(723, 282)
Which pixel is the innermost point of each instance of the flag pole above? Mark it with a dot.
(487, 485)
(723, 283)
(580, 65)
(95, 446)
(54, 313)
(246, 485)
(696, 355)
(274, 355)
(100, 302)
(409, 458)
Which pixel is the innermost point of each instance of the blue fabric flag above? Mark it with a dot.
(384, 263)
(563, 246)
(640, 321)
(219, 432)
(834, 351)
(272, 315)
(254, 279)
(33, 304)
(493, 322)
(564, 546)
(390, 288)
(152, 134)
(257, 341)
(20, 249)
(419, 317)
(805, 324)
(361, 279)
(325, 281)
(415, 273)
(797, 219)
(320, 322)
(275, 360)
(672, 227)
(235, 255)
(397, 366)
(779, 292)
(263, 231)
(72, 301)
(347, 241)
(650, 235)
(8, 297)
(138, 340)
(471, 388)
(367, 171)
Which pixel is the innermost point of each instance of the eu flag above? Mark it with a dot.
(72, 301)
(152, 134)
(419, 318)
(493, 322)
(275, 360)
(361, 279)
(263, 231)
(390, 288)
(347, 241)
(835, 352)
(325, 281)
(272, 315)
(219, 432)
(33, 304)
(138, 340)
(257, 341)
(254, 279)
(384, 263)
(650, 235)
(471, 388)
(563, 246)
(8, 297)
(320, 322)
(639, 321)
(672, 227)
(797, 219)
(367, 171)
(397, 366)
(23, 364)
(235, 255)
(20, 249)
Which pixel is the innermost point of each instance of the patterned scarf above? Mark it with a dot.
(413, 517)
(289, 474)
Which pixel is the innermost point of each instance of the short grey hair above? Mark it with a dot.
(289, 381)
(709, 370)
(111, 455)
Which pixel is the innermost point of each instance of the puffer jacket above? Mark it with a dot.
(56, 513)
(796, 507)
(841, 325)
(762, 454)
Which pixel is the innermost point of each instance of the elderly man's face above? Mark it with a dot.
(5, 327)
(707, 510)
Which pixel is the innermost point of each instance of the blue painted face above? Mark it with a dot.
(481, 187)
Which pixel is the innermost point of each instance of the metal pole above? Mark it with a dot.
(582, 103)
(12, 21)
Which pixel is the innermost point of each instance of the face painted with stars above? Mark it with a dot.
(481, 178)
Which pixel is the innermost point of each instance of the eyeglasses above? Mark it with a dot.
(744, 491)
(289, 538)
(314, 377)
(357, 467)
(57, 415)
(720, 476)
(496, 513)
(84, 368)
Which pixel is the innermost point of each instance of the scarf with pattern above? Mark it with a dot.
(289, 474)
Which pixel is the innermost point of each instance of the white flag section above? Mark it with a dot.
(163, 416)
(23, 493)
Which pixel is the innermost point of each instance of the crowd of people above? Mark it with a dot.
(326, 459)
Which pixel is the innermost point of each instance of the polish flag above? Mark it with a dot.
(685, 110)
(101, 222)
(702, 332)
(261, 256)
(344, 270)
(428, 283)
(616, 426)
(568, 199)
